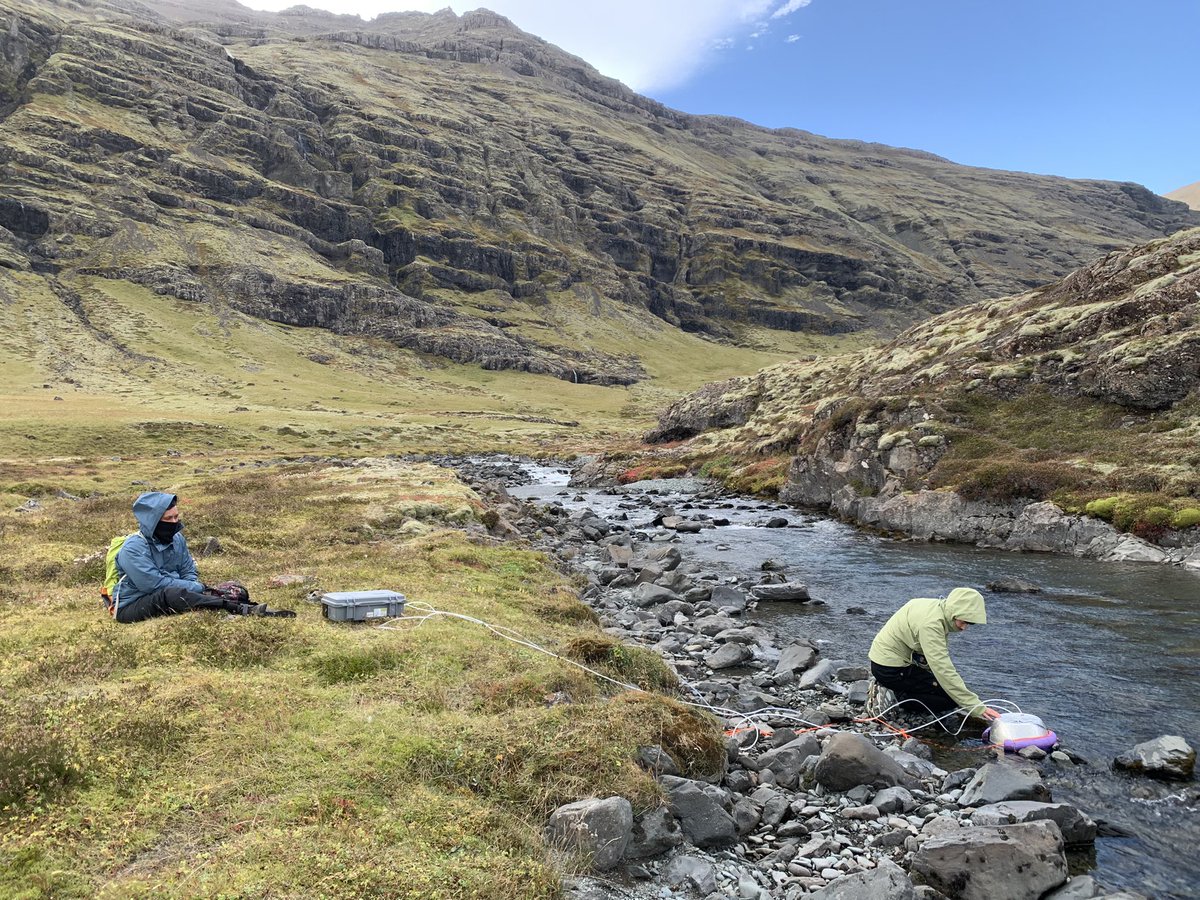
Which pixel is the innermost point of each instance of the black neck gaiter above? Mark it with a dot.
(164, 532)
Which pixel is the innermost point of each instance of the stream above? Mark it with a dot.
(1107, 654)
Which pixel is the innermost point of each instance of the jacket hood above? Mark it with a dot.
(966, 604)
(148, 509)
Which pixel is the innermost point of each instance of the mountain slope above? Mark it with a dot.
(435, 180)
(1189, 195)
(1085, 391)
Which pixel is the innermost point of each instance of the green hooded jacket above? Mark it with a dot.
(921, 626)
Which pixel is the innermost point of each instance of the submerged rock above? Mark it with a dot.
(1169, 756)
(999, 782)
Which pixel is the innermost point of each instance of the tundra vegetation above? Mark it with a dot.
(201, 756)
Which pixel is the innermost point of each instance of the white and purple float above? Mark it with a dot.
(1015, 731)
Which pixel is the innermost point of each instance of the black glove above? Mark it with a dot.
(233, 591)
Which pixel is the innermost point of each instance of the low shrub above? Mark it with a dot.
(1188, 517)
(1103, 509)
(652, 470)
(1012, 480)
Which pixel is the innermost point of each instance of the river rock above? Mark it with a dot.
(651, 594)
(796, 658)
(850, 759)
(648, 572)
(789, 590)
(1076, 828)
(894, 800)
(693, 872)
(821, 673)
(887, 881)
(620, 555)
(1169, 756)
(999, 782)
(668, 611)
(1006, 862)
(654, 833)
(725, 597)
(700, 809)
(728, 656)
(787, 761)
(1013, 585)
(597, 830)
(667, 557)
(746, 815)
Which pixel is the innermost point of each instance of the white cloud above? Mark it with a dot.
(791, 39)
(648, 45)
(790, 7)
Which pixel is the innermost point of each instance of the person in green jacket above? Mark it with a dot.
(910, 655)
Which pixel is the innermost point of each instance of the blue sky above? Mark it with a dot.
(1083, 89)
(1099, 89)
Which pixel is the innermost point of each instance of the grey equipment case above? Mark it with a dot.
(359, 606)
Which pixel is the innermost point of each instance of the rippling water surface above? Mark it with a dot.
(1108, 654)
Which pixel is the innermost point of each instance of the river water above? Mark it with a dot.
(1108, 654)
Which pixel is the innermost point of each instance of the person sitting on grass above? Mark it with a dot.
(910, 656)
(158, 574)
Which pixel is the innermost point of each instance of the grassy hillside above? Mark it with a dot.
(130, 372)
(200, 756)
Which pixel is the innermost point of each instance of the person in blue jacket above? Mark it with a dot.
(158, 574)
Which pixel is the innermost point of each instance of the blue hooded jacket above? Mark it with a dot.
(147, 565)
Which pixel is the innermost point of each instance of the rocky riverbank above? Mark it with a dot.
(835, 487)
(812, 798)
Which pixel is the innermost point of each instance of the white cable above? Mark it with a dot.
(743, 719)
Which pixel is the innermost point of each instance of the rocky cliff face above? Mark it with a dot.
(1084, 390)
(398, 166)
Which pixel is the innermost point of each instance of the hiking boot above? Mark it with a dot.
(880, 700)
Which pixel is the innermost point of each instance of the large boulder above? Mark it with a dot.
(1006, 862)
(887, 881)
(850, 759)
(701, 811)
(597, 830)
(998, 782)
(1076, 827)
(1169, 756)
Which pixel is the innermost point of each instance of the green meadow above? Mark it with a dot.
(203, 756)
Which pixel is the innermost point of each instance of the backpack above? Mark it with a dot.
(112, 575)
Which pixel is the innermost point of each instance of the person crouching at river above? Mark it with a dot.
(910, 655)
(158, 575)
